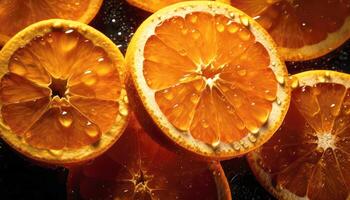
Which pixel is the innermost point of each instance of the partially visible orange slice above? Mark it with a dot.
(154, 5)
(309, 157)
(62, 93)
(303, 29)
(210, 78)
(18, 14)
(136, 167)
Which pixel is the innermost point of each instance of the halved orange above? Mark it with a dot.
(302, 29)
(18, 14)
(136, 167)
(210, 78)
(62, 94)
(309, 156)
(154, 5)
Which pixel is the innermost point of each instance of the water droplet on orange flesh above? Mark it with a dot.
(182, 94)
(136, 166)
(309, 155)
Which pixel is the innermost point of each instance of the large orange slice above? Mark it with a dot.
(309, 157)
(303, 29)
(136, 167)
(62, 97)
(17, 14)
(210, 78)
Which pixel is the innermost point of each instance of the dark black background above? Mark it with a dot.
(21, 179)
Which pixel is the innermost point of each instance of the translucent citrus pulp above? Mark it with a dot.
(62, 97)
(136, 167)
(210, 78)
(154, 5)
(303, 29)
(18, 14)
(309, 156)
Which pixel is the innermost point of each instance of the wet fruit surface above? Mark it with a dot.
(136, 167)
(20, 179)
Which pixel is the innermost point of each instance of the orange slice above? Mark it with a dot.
(62, 97)
(309, 157)
(303, 29)
(154, 5)
(210, 78)
(136, 167)
(18, 14)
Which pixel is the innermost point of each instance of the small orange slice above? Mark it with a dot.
(303, 29)
(18, 14)
(62, 97)
(309, 157)
(136, 167)
(210, 78)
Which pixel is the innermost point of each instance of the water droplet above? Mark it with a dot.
(204, 124)
(194, 98)
(193, 18)
(232, 28)
(278, 102)
(244, 20)
(56, 152)
(65, 119)
(242, 72)
(123, 111)
(220, 27)
(91, 130)
(89, 78)
(295, 83)
(236, 146)
(195, 34)
(215, 143)
(280, 79)
(252, 138)
(332, 105)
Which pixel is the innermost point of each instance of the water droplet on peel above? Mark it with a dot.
(280, 79)
(65, 119)
(244, 20)
(295, 83)
(89, 78)
(91, 130)
(278, 102)
(123, 111)
(215, 143)
(252, 138)
(56, 152)
(236, 146)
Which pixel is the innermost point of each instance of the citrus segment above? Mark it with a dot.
(28, 12)
(67, 87)
(199, 73)
(302, 29)
(136, 167)
(308, 156)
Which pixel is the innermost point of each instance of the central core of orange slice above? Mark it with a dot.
(211, 76)
(58, 87)
(325, 141)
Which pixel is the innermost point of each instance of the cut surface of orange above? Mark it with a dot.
(136, 167)
(309, 156)
(154, 5)
(62, 94)
(18, 14)
(210, 78)
(303, 29)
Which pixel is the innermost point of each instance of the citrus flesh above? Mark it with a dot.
(303, 29)
(210, 77)
(60, 91)
(136, 167)
(24, 13)
(308, 157)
